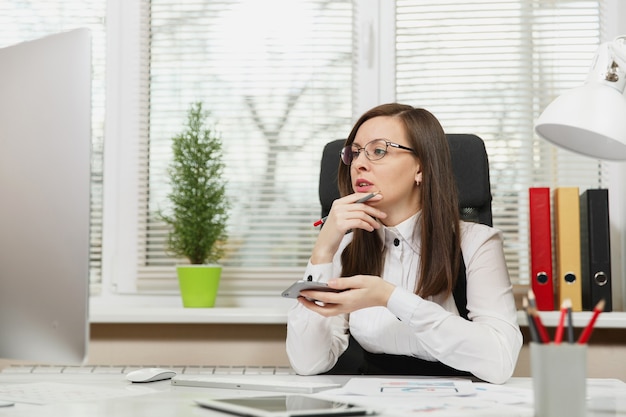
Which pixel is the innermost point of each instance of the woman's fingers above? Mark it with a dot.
(359, 291)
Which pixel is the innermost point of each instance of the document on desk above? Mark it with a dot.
(409, 387)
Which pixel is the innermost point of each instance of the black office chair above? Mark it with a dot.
(471, 170)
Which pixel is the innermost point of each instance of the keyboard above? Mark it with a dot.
(124, 369)
(302, 386)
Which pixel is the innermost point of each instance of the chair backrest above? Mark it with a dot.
(471, 170)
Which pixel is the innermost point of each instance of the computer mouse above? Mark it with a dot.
(150, 374)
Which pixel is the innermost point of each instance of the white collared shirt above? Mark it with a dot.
(431, 329)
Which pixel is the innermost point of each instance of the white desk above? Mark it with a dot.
(607, 398)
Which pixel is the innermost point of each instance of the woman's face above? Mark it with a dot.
(395, 175)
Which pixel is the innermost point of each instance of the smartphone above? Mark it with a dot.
(284, 406)
(294, 290)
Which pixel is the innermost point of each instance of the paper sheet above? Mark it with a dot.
(409, 387)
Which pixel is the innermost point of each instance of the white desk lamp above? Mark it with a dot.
(591, 120)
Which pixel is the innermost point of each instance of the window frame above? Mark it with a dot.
(373, 25)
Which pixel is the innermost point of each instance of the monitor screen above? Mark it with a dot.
(45, 144)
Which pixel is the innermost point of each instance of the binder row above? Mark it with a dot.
(582, 249)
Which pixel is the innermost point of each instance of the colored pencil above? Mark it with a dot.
(532, 326)
(599, 308)
(570, 325)
(558, 335)
(541, 330)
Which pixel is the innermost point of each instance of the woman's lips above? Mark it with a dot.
(362, 186)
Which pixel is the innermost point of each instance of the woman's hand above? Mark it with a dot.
(359, 291)
(345, 214)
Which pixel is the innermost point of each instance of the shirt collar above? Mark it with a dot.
(405, 231)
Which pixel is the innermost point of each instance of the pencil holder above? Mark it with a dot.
(559, 374)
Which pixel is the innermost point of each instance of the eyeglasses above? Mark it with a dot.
(374, 150)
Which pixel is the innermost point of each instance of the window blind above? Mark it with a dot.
(486, 67)
(279, 88)
(28, 20)
(490, 67)
(276, 77)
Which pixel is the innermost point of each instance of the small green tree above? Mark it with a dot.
(199, 205)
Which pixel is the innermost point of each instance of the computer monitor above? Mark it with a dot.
(45, 144)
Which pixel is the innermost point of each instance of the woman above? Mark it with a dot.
(400, 255)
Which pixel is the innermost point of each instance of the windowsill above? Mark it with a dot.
(169, 309)
(223, 315)
(257, 310)
(608, 320)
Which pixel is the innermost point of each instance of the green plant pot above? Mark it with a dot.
(198, 284)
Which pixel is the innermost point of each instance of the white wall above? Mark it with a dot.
(616, 25)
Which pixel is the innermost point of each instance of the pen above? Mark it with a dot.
(558, 335)
(360, 200)
(599, 308)
(532, 326)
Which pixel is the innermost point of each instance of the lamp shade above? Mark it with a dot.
(591, 119)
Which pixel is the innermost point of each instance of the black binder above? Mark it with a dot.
(595, 239)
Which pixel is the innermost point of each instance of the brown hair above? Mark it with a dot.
(440, 241)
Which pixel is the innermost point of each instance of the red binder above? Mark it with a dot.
(541, 247)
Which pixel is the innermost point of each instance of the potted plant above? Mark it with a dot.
(198, 212)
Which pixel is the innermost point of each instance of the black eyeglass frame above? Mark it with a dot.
(347, 150)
